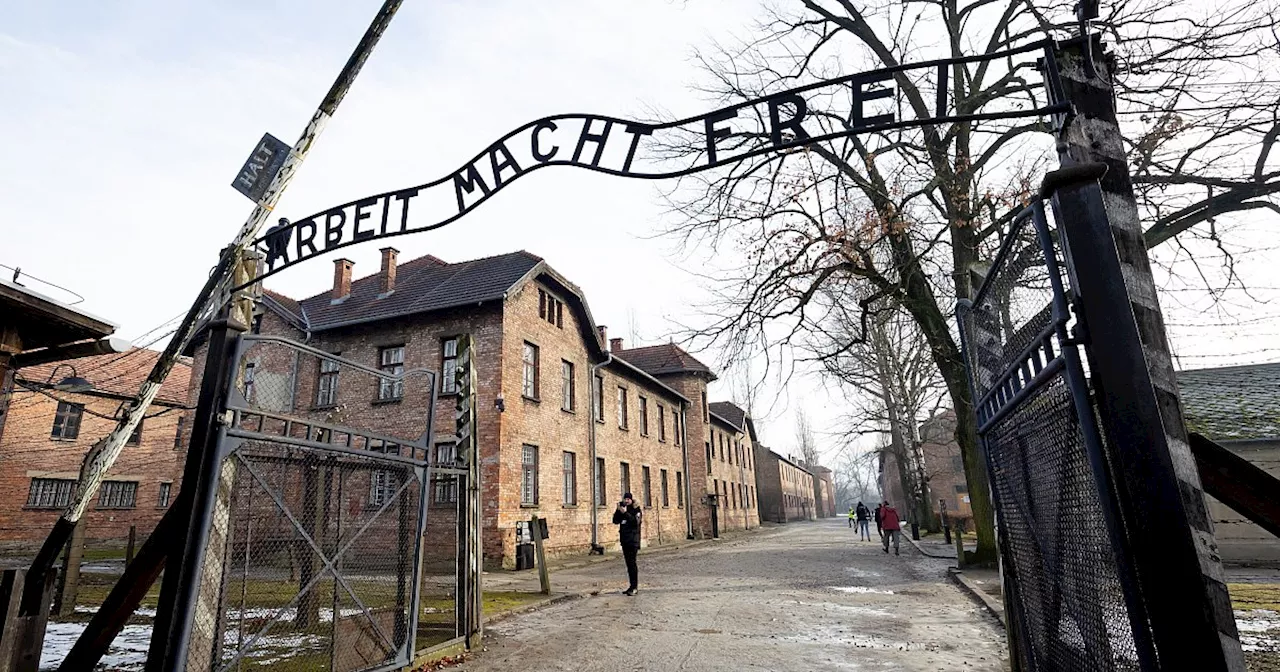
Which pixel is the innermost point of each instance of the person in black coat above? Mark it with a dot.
(628, 518)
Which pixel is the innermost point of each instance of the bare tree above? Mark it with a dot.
(854, 477)
(906, 215)
(894, 386)
(805, 440)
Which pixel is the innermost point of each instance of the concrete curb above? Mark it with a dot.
(976, 591)
(923, 551)
(540, 604)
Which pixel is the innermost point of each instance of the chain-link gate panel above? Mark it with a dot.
(1070, 584)
(316, 554)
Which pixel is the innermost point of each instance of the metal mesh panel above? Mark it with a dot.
(318, 559)
(1064, 565)
(1061, 568)
(319, 534)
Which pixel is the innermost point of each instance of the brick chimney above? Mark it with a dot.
(387, 277)
(341, 279)
(615, 345)
(603, 331)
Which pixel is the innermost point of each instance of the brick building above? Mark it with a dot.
(567, 419)
(732, 470)
(47, 433)
(786, 488)
(824, 492)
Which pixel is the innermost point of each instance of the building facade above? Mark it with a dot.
(824, 492)
(567, 420)
(786, 488)
(47, 433)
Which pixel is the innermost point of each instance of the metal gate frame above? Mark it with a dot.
(1053, 352)
(231, 413)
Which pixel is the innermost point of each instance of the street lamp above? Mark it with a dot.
(72, 383)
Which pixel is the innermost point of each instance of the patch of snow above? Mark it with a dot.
(862, 590)
(1259, 630)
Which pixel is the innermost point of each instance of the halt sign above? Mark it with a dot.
(261, 167)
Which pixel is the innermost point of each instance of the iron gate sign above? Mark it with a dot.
(615, 146)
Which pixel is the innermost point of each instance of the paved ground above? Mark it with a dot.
(797, 597)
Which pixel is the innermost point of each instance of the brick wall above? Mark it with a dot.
(786, 491)
(733, 476)
(27, 451)
(697, 433)
(544, 424)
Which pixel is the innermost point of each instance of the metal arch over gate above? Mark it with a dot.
(615, 146)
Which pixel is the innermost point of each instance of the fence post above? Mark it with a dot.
(69, 585)
(179, 589)
(470, 590)
(1170, 532)
(544, 574)
(128, 550)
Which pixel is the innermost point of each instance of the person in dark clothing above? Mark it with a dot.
(628, 518)
(864, 514)
(879, 516)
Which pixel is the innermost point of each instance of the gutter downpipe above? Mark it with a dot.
(688, 477)
(595, 477)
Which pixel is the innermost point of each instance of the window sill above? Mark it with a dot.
(600, 421)
(45, 508)
(536, 400)
(326, 407)
(568, 506)
(443, 395)
(623, 429)
(392, 400)
(570, 411)
(64, 439)
(528, 506)
(115, 508)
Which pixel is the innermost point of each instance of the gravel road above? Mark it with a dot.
(802, 596)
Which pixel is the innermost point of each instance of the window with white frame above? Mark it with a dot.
(327, 383)
(162, 499)
(50, 493)
(118, 495)
(66, 420)
(391, 362)
(449, 365)
(445, 486)
(570, 479)
(530, 381)
(529, 475)
(622, 407)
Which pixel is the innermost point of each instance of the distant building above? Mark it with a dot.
(943, 470)
(824, 492)
(786, 488)
(47, 433)
(1238, 407)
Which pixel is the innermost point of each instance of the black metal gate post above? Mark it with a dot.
(1158, 489)
(172, 627)
(1182, 603)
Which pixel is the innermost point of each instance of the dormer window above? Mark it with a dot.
(550, 308)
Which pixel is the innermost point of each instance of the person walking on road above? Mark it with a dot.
(879, 513)
(891, 526)
(628, 518)
(864, 525)
(851, 515)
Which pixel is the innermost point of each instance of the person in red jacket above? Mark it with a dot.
(891, 526)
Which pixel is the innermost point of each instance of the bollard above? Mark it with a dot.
(128, 550)
(959, 548)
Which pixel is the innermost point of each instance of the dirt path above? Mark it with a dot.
(800, 597)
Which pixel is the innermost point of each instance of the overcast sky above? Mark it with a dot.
(123, 123)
